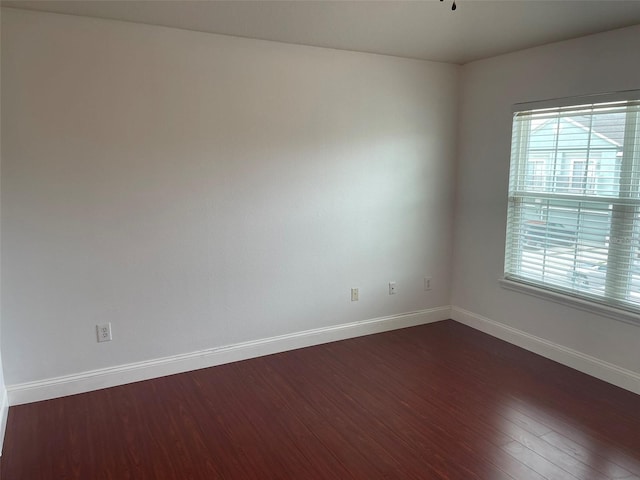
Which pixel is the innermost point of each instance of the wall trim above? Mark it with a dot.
(4, 414)
(145, 370)
(621, 377)
(135, 372)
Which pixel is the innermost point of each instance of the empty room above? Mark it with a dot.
(320, 240)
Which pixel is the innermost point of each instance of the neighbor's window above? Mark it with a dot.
(574, 200)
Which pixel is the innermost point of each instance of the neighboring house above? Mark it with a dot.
(576, 164)
(586, 166)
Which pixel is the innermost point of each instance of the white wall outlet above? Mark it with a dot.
(427, 284)
(355, 295)
(104, 332)
(392, 288)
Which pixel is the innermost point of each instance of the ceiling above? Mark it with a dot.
(424, 29)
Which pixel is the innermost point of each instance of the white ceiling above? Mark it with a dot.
(425, 29)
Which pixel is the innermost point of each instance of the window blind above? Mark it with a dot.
(573, 222)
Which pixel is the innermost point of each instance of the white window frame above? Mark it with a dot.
(538, 164)
(583, 182)
(626, 205)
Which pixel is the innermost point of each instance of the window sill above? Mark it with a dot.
(575, 302)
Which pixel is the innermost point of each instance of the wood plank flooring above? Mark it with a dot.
(439, 401)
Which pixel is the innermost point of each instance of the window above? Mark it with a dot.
(579, 175)
(573, 223)
(536, 173)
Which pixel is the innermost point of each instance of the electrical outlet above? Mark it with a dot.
(392, 288)
(427, 284)
(104, 332)
(355, 295)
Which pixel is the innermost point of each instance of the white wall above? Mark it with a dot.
(200, 190)
(596, 64)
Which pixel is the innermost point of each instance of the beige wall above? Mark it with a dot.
(4, 405)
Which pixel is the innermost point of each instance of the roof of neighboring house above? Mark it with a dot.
(606, 127)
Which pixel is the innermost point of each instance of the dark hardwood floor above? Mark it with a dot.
(439, 401)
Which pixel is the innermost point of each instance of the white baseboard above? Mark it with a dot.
(595, 367)
(134, 372)
(4, 414)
